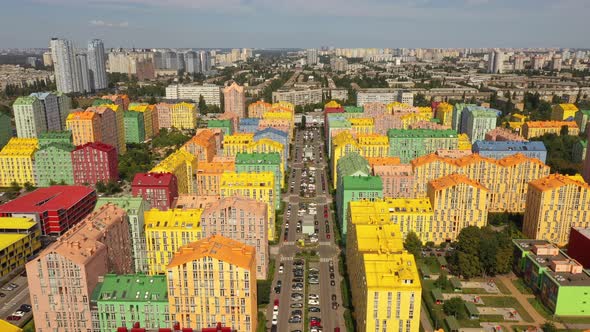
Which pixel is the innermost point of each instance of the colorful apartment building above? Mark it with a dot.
(209, 176)
(184, 116)
(457, 115)
(19, 241)
(111, 120)
(374, 108)
(411, 120)
(477, 121)
(373, 145)
(86, 127)
(355, 188)
(53, 164)
(274, 135)
(95, 162)
(123, 300)
(342, 144)
(202, 145)
(408, 144)
(507, 179)
(56, 208)
(539, 128)
(284, 104)
(98, 245)
(233, 120)
(444, 113)
(280, 124)
(563, 112)
(258, 186)
(388, 292)
(149, 117)
(229, 266)
(578, 244)
(120, 119)
(256, 109)
(248, 125)
(134, 127)
(238, 142)
(503, 134)
(135, 208)
(183, 165)
(559, 281)
(263, 162)
(555, 204)
(362, 125)
(118, 99)
(398, 180)
(352, 164)
(56, 107)
(5, 129)
(166, 231)
(241, 219)
(457, 202)
(501, 149)
(160, 190)
(164, 112)
(267, 145)
(234, 100)
(29, 117)
(581, 118)
(16, 162)
(224, 125)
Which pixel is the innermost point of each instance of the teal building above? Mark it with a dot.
(224, 125)
(134, 127)
(356, 188)
(263, 162)
(408, 144)
(53, 160)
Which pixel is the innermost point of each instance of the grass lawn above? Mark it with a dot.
(503, 289)
(475, 291)
(468, 322)
(540, 308)
(519, 328)
(507, 302)
(522, 287)
(30, 326)
(432, 264)
(261, 322)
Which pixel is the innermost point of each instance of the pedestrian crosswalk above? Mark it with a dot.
(325, 243)
(325, 259)
(286, 258)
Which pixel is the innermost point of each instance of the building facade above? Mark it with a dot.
(29, 117)
(159, 190)
(95, 162)
(16, 162)
(183, 165)
(19, 241)
(234, 100)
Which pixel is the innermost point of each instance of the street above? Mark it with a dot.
(13, 299)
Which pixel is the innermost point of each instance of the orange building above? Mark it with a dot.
(257, 109)
(209, 176)
(203, 145)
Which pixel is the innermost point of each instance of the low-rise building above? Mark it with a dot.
(532, 129)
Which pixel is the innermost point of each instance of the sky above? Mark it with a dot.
(297, 23)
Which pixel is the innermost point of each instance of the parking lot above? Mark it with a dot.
(15, 301)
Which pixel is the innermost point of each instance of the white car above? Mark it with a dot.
(281, 268)
(313, 239)
(275, 319)
(275, 310)
(313, 302)
(314, 297)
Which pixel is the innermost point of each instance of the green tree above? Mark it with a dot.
(454, 307)
(564, 131)
(101, 187)
(468, 265)
(202, 104)
(413, 244)
(468, 240)
(549, 327)
(14, 186)
(29, 187)
(443, 280)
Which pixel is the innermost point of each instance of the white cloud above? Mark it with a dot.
(101, 23)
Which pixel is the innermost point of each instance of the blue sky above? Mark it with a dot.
(298, 23)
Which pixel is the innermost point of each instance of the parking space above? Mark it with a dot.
(15, 301)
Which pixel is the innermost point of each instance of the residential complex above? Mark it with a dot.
(53, 161)
(211, 93)
(160, 190)
(19, 241)
(95, 162)
(16, 162)
(234, 100)
(532, 129)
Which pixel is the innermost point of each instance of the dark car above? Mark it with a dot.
(314, 309)
(332, 275)
(296, 313)
(296, 305)
(333, 297)
(294, 320)
(25, 308)
(2, 295)
(334, 305)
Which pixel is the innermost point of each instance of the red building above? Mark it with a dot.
(93, 162)
(578, 246)
(55, 208)
(159, 189)
(136, 328)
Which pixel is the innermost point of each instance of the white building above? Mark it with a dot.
(405, 97)
(84, 72)
(299, 97)
(312, 56)
(29, 117)
(193, 62)
(97, 64)
(67, 70)
(377, 95)
(210, 92)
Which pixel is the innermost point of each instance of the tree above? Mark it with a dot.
(413, 244)
(467, 265)
(443, 280)
(549, 327)
(564, 131)
(101, 187)
(454, 307)
(29, 187)
(202, 104)
(303, 121)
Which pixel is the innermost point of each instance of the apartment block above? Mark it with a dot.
(184, 116)
(234, 100)
(120, 121)
(19, 241)
(164, 113)
(211, 93)
(238, 142)
(373, 145)
(16, 162)
(444, 114)
(203, 145)
(231, 265)
(539, 128)
(29, 117)
(5, 129)
(408, 144)
(501, 149)
(134, 127)
(355, 188)
(183, 165)
(159, 190)
(398, 180)
(225, 126)
(56, 107)
(581, 118)
(577, 246)
(150, 118)
(248, 125)
(94, 162)
(73, 265)
(256, 109)
(563, 112)
(241, 219)
(477, 121)
(343, 144)
(503, 134)
(263, 162)
(209, 176)
(53, 164)
(299, 97)
(555, 204)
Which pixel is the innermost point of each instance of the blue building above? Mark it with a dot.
(275, 135)
(248, 125)
(501, 149)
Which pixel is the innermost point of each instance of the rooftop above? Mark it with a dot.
(550, 124)
(52, 198)
(554, 181)
(218, 247)
(7, 239)
(216, 167)
(391, 271)
(96, 146)
(421, 133)
(362, 183)
(351, 164)
(153, 179)
(28, 100)
(454, 180)
(16, 223)
(258, 158)
(132, 288)
(379, 238)
(127, 203)
(508, 146)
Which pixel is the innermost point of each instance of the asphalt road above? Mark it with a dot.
(326, 249)
(14, 299)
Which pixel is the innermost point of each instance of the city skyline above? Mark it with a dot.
(246, 23)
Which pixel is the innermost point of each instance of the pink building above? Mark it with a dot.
(503, 134)
(386, 121)
(164, 111)
(93, 162)
(158, 189)
(398, 180)
(234, 118)
(108, 127)
(234, 100)
(62, 278)
(455, 154)
(427, 125)
(241, 219)
(372, 109)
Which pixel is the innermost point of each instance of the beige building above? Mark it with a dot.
(62, 278)
(234, 100)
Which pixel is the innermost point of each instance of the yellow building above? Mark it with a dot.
(284, 104)
(362, 125)
(236, 143)
(183, 165)
(16, 161)
(255, 110)
(397, 106)
(464, 143)
(507, 178)
(425, 111)
(258, 186)
(387, 292)
(554, 204)
(332, 104)
(532, 129)
(444, 113)
(147, 111)
(19, 240)
(214, 280)
(7, 327)
(407, 214)
(184, 116)
(563, 112)
(373, 145)
(166, 231)
(342, 144)
(119, 116)
(458, 202)
(279, 113)
(85, 127)
(267, 145)
(516, 122)
(413, 118)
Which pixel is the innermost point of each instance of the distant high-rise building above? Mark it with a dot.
(312, 56)
(47, 60)
(169, 60)
(235, 100)
(97, 64)
(205, 61)
(67, 70)
(496, 62)
(556, 63)
(519, 62)
(538, 62)
(193, 62)
(85, 79)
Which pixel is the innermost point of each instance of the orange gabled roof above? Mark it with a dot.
(81, 115)
(472, 159)
(453, 180)
(98, 109)
(216, 167)
(202, 137)
(518, 158)
(429, 158)
(218, 247)
(555, 181)
(383, 161)
(550, 124)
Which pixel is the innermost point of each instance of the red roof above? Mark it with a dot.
(48, 199)
(152, 179)
(96, 145)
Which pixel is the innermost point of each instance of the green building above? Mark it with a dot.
(224, 125)
(55, 137)
(100, 102)
(53, 161)
(134, 127)
(560, 282)
(135, 208)
(582, 117)
(353, 109)
(122, 300)
(457, 115)
(356, 188)
(6, 132)
(408, 144)
(263, 162)
(579, 150)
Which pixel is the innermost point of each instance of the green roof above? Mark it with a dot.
(258, 158)
(484, 114)
(218, 123)
(437, 294)
(339, 123)
(471, 309)
(455, 282)
(352, 163)
(28, 100)
(452, 323)
(353, 109)
(51, 135)
(425, 270)
(362, 183)
(587, 112)
(126, 203)
(441, 260)
(69, 147)
(99, 101)
(131, 288)
(421, 133)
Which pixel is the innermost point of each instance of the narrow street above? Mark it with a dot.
(319, 251)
